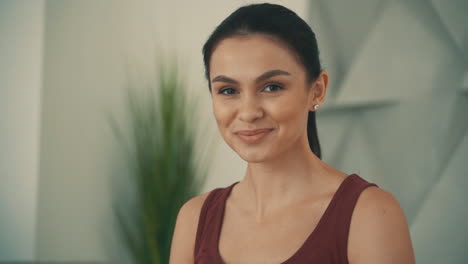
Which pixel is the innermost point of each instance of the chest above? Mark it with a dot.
(273, 240)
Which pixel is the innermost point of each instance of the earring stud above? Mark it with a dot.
(316, 106)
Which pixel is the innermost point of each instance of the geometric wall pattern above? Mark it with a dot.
(397, 109)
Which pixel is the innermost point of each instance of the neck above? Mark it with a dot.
(284, 180)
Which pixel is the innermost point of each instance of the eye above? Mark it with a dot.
(227, 91)
(272, 88)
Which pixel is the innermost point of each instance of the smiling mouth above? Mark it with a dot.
(253, 136)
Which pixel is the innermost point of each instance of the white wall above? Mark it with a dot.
(21, 35)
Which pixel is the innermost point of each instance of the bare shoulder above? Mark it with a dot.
(192, 207)
(379, 231)
(185, 231)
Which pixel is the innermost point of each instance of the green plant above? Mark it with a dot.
(165, 165)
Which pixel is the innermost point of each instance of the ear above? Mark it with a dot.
(318, 90)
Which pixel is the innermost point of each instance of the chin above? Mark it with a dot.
(255, 154)
(255, 158)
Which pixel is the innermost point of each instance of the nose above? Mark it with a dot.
(250, 109)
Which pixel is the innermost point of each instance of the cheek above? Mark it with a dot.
(290, 114)
(289, 110)
(222, 113)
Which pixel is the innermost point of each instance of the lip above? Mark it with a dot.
(253, 132)
(253, 136)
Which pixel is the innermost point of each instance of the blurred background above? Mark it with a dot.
(396, 112)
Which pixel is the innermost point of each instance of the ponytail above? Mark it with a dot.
(312, 135)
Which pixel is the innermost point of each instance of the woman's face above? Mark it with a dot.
(260, 96)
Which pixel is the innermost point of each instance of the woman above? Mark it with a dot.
(266, 83)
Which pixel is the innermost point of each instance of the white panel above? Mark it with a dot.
(440, 230)
(83, 81)
(358, 155)
(465, 82)
(330, 55)
(21, 35)
(399, 136)
(340, 38)
(450, 123)
(453, 13)
(349, 34)
(392, 64)
(406, 88)
(333, 130)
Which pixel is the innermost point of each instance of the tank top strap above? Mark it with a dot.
(210, 220)
(339, 219)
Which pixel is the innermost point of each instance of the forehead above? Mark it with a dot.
(248, 56)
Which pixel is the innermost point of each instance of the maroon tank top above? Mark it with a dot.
(327, 243)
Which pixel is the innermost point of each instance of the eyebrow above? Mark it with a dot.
(263, 77)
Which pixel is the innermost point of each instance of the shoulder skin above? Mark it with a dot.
(183, 239)
(379, 230)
